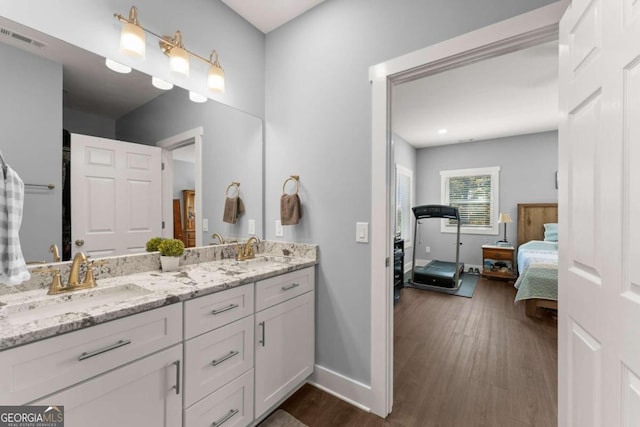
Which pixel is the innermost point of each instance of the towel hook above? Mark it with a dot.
(234, 184)
(295, 179)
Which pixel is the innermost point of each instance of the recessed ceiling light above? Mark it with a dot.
(117, 67)
(442, 131)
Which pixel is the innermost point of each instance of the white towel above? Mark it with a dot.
(13, 269)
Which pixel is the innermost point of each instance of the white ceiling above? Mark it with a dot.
(267, 15)
(512, 94)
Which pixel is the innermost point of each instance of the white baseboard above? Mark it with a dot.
(344, 388)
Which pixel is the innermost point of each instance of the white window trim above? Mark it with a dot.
(495, 192)
(401, 170)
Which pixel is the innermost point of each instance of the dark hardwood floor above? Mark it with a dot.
(458, 362)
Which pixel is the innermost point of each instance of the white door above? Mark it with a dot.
(284, 346)
(599, 291)
(116, 200)
(144, 393)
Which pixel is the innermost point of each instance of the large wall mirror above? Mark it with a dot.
(49, 86)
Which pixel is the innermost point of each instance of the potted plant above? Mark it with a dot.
(170, 252)
(153, 243)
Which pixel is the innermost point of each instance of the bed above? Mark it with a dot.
(537, 259)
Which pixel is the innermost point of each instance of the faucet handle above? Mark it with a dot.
(55, 287)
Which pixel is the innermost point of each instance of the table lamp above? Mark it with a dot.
(504, 218)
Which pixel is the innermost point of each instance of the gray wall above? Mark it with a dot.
(88, 124)
(318, 124)
(232, 147)
(183, 178)
(31, 123)
(527, 175)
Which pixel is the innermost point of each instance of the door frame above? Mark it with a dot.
(521, 31)
(192, 136)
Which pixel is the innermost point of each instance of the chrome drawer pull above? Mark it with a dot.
(262, 341)
(226, 418)
(177, 386)
(226, 357)
(227, 308)
(291, 286)
(120, 343)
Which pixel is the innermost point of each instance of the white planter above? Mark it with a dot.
(170, 263)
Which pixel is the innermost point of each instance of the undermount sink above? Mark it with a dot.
(265, 259)
(49, 306)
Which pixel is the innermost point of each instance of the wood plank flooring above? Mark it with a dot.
(458, 362)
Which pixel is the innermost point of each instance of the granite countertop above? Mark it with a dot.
(32, 315)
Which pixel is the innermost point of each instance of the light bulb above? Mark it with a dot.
(196, 97)
(161, 84)
(132, 40)
(179, 61)
(215, 79)
(117, 67)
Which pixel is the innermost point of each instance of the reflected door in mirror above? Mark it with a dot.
(115, 195)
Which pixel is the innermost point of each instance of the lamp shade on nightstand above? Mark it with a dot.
(504, 218)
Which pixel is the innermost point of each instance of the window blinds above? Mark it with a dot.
(472, 196)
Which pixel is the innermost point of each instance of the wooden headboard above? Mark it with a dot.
(531, 220)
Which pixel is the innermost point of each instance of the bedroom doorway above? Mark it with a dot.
(529, 29)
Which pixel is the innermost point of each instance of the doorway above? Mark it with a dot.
(186, 146)
(524, 30)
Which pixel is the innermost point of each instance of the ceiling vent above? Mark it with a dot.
(22, 38)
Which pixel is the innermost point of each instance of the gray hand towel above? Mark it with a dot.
(290, 209)
(13, 269)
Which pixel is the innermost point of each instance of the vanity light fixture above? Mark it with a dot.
(117, 67)
(161, 84)
(196, 97)
(132, 39)
(179, 55)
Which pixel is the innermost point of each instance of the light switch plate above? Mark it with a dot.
(205, 224)
(252, 226)
(279, 229)
(362, 232)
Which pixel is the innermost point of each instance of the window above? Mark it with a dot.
(404, 201)
(475, 193)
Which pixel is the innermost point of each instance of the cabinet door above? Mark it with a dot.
(144, 393)
(285, 349)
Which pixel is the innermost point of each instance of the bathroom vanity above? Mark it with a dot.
(220, 342)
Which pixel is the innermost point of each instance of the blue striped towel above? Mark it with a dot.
(13, 269)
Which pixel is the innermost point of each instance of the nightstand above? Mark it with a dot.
(498, 262)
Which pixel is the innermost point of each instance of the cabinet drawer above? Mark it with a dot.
(498, 254)
(217, 357)
(231, 406)
(212, 311)
(35, 370)
(273, 291)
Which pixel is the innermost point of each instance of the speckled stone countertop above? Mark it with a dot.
(31, 314)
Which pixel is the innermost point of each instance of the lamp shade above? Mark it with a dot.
(196, 97)
(504, 218)
(132, 40)
(116, 66)
(161, 84)
(215, 79)
(179, 61)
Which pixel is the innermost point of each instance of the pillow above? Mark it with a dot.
(551, 232)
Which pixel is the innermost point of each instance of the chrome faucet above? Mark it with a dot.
(219, 237)
(247, 251)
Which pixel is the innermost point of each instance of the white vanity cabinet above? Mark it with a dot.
(33, 371)
(219, 351)
(285, 336)
(143, 393)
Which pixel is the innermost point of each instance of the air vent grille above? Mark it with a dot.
(22, 38)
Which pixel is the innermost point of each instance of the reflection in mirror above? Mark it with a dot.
(99, 102)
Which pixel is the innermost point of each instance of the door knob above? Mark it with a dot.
(79, 242)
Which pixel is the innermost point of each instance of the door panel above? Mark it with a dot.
(599, 199)
(116, 197)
